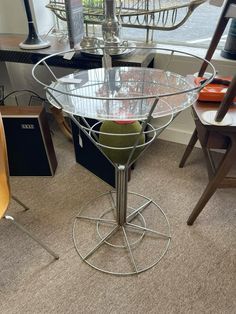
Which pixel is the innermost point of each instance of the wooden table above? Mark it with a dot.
(10, 52)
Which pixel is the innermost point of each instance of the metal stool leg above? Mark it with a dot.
(19, 202)
(56, 256)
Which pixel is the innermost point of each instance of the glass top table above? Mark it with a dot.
(121, 223)
(122, 93)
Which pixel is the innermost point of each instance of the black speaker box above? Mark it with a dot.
(29, 143)
(90, 157)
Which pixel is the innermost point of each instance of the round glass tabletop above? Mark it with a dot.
(122, 93)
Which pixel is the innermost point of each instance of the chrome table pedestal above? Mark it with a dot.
(130, 232)
(122, 232)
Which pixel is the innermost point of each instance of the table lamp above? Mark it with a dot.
(33, 41)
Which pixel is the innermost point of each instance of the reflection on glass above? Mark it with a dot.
(122, 93)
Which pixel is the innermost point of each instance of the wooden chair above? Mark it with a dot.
(5, 193)
(212, 136)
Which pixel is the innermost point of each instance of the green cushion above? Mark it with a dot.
(120, 156)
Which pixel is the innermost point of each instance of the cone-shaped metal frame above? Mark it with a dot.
(122, 232)
(123, 220)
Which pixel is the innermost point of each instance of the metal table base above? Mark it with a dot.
(121, 247)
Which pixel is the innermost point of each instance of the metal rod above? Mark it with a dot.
(147, 229)
(131, 216)
(196, 88)
(89, 127)
(56, 256)
(101, 242)
(112, 199)
(50, 70)
(169, 60)
(90, 138)
(113, 204)
(55, 99)
(121, 193)
(144, 125)
(130, 251)
(19, 202)
(97, 219)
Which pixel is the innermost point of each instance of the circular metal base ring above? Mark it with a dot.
(122, 250)
(143, 223)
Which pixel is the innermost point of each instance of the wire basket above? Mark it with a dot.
(142, 14)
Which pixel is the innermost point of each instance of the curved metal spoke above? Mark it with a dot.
(108, 221)
(131, 216)
(130, 251)
(111, 233)
(140, 228)
(113, 204)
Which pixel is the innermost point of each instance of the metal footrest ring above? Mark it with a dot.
(136, 246)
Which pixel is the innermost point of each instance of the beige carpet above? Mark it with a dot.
(197, 275)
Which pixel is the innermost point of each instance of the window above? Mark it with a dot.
(196, 31)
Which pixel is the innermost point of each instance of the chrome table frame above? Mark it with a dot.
(128, 228)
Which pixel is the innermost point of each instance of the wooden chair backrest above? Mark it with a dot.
(4, 173)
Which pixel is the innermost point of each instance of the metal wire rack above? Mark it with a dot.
(122, 232)
(143, 14)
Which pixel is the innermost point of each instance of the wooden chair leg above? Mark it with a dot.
(222, 170)
(189, 148)
(211, 169)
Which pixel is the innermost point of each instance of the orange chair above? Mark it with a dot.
(5, 193)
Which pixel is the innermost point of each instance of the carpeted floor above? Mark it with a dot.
(197, 275)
